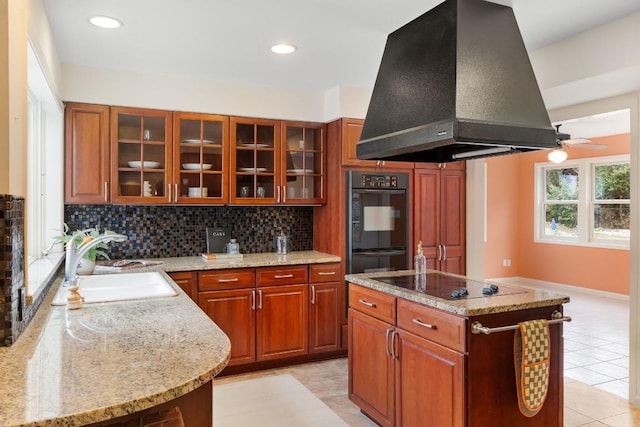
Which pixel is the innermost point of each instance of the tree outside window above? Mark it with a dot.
(561, 202)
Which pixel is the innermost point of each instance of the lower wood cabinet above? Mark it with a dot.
(272, 313)
(411, 365)
(188, 282)
(396, 377)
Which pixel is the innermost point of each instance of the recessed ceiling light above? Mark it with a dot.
(283, 48)
(105, 22)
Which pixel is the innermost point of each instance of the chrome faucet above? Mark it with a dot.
(75, 253)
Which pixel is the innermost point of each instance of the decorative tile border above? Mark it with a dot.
(175, 231)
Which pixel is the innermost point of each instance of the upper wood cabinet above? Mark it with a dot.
(201, 158)
(86, 153)
(351, 130)
(275, 162)
(141, 156)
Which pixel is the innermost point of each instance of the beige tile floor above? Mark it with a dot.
(596, 369)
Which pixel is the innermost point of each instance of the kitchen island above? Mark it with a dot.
(428, 352)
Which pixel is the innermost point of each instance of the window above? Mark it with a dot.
(584, 202)
(45, 150)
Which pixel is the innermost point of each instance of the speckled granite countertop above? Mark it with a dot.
(75, 367)
(525, 299)
(248, 260)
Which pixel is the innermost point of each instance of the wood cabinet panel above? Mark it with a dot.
(234, 312)
(86, 168)
(282, 321)
(325, 306)
(429, 384)
(351, 131)
(235, 278)
(319, 273)
(374, 303)
(440, 327)
(270, 276)
(188, 282)
(439, 217)
(371, 369)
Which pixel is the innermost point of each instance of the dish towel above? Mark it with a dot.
(531, 358)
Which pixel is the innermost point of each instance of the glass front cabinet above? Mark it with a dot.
(201, 158)
(275, 162)
(141, 155)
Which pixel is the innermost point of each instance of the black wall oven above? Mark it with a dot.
(377, 216)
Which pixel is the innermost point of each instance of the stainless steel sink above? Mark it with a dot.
(119, 287)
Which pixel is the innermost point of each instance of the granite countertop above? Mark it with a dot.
(525, 298)
(75, 367)
(247, 261)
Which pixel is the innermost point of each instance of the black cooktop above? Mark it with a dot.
(449, 287)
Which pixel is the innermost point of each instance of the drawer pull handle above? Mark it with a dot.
(425, 325)
(326, 273)
(235, 279)
(283, 276)
(367, 303)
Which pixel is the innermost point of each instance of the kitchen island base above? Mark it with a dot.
(411, 364)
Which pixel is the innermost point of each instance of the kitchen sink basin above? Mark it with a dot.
(119, 287)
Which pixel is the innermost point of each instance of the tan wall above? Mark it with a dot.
(510, 225)
(13, 97)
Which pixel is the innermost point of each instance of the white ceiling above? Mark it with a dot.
(340, 41)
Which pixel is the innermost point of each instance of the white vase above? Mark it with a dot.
(86, 267)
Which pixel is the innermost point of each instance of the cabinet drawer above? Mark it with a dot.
(373, 303)
(270, 276)
(319, 273)
(435, 325)
(226, 279)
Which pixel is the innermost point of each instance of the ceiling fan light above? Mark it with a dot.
(557, 156)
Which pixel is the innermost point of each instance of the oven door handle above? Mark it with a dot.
(380, 253)
(376, 191)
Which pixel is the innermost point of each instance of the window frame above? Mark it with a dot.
(586, 202)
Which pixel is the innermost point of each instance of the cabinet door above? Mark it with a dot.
(371, 367)
(141, 156)
(351, 130)
(282, 321)
(234, 312)
(188, 282)
(452, 221)
(303, 163)
(429, 383)
(201, 158)
(426, 214)
(254, 161)
(86, 153)
(325, 313)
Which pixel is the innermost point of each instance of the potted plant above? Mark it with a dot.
(88, 262)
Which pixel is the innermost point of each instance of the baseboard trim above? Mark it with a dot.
(558, 287)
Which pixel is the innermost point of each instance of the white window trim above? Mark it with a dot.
(585, 168)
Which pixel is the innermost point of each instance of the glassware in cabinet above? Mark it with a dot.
(254, 161)
(141, 155)
(304, 155)
(201, 158)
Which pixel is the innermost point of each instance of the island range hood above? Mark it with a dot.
(455, 83)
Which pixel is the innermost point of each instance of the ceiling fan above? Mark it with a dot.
(565, 140)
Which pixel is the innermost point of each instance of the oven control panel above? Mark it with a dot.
(379, 181)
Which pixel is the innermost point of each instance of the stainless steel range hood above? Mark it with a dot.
(455, 83)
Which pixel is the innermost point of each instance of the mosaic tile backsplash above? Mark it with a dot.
(175, 231)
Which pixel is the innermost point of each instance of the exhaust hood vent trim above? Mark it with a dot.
(454, 78)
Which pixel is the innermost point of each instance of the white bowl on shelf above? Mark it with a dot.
(145, 164)
(196, 166)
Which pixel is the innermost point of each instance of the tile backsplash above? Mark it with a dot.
(174, 231)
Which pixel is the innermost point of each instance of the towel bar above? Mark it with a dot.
(477, 328)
